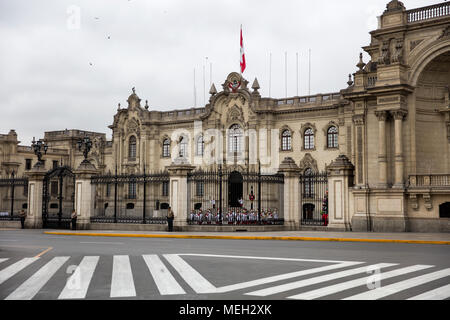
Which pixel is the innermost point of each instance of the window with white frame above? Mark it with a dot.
(286, 140)
(309, 139)
(200, 146)
(332, 137)
(235, 138)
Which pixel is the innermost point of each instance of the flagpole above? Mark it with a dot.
(285, 73)
(240, 51)
(297, 72)
(195, 92)
(270, 73)
(309, 76)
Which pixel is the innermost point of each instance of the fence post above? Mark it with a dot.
(340, 178)
(84, 193)
(178, 192)
(12, 196)
(291, 193)
(35, 192)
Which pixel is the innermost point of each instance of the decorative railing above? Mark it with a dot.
(429, 180)
(371, 81)
(430, 12)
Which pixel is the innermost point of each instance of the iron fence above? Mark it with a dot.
(136, 198)
(10, 200)
(229, 196)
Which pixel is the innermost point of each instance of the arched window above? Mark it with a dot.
(332, 137)
(166, 148)
(235, 138)
(132, 148)
(309, 184)
(286, 140)
(309, 139)
(200, 146)
(183, 147)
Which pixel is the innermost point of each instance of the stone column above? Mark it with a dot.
(340, 179)
(382, 153)
(178, 197)
(291, 202)
(84, 194)
(35, 191)
(398, 115)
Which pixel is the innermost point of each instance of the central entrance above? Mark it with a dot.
(235, 189)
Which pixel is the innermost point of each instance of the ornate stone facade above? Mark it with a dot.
(392, 122)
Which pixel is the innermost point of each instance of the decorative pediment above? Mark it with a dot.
(133, 126)
(308, 162)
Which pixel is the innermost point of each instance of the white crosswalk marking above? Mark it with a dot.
(314, 294)
(8, 272)
(31, 287)
(190, 275)
(285, 276)
(400, 286)
(122, 284)
(78, 283)
(164, 280)
(315, 280)
(3, 259)
(436, 294)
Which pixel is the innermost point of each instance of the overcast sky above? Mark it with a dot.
(62, 70)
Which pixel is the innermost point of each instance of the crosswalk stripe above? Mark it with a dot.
(197, 282)
(3, 259)
(8, 272)
(400, 286)
(122, 284)
(28, 289)
(285, 276)
(78, 283)
(436, 294)
(164, 280)
(315, 280)
(314, 294)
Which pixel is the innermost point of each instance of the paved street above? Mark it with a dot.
(37, 266)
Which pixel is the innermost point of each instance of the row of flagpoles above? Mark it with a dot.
(243, 65)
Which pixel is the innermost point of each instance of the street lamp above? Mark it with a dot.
(38, 146)
(85, 144)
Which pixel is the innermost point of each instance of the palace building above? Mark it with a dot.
(374, 156)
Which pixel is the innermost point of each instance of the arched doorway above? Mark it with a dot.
(444, 210)
(432, 116)
(235, 189)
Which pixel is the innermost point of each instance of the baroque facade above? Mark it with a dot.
(392, 122)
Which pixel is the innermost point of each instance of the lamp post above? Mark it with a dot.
(38, 146)
(85, 144)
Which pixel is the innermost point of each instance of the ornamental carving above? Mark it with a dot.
(235, 113)
(397, 55)
(308, 162)
(385, 53)
(414, 44)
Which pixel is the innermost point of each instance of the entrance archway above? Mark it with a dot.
(235, 189)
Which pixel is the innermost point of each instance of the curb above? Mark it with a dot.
(287, 238)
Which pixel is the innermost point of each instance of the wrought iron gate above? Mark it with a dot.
(314, 198)
(59, 184)
(230, 196)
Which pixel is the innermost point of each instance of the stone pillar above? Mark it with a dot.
(35, 192)
(84, 193)
(382, 152)
(291, 202)
(340, 180)
(398, 115)
(178, 197)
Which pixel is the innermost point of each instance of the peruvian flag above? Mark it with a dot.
(242, 53)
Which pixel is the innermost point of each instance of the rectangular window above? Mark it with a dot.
(132, 190)
(200, 188)
(27, 164)
(108, 190)
(165, 188)
(55, 164)
(54, 188)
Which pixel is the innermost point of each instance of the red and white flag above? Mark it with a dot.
(242, 53)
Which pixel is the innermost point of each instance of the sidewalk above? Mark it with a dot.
(417, 238)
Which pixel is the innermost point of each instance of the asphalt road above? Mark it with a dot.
(37, 266)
